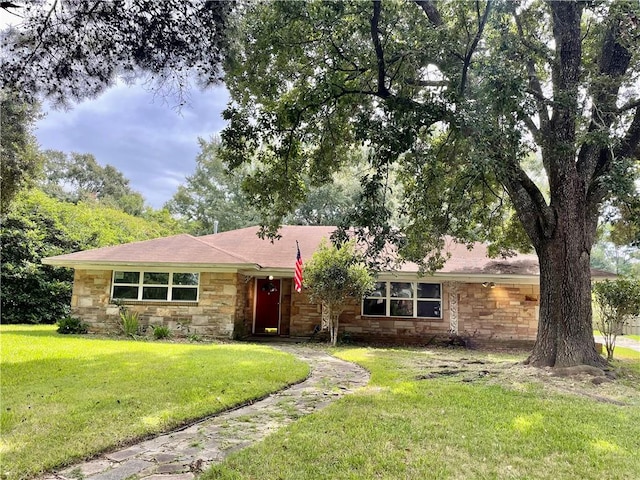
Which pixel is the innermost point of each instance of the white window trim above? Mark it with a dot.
(140, 285)
(388, 298)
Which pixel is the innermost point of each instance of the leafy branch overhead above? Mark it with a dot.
(70, 51)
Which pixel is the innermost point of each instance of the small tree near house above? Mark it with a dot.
(333, 275)
(616, 302)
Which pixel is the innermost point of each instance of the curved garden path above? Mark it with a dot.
(182, 454)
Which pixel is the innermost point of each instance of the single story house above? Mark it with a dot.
(234, 284)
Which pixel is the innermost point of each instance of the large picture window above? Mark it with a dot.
(155, 286)
(404, 299)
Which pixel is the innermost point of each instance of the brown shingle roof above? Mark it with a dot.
(279, 254)
(243, 248)
(177, 249)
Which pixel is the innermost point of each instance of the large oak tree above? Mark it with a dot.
(456, 96)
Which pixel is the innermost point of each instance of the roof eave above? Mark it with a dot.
(111, 265)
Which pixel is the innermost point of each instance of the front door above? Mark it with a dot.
(267, 306)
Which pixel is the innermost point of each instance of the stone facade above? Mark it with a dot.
(503, 313)
(217, 313)
(506, 313)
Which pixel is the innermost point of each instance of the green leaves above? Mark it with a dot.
(39, 226)
(335, 274)
(616, 302)
(20, 160)
(77, 51)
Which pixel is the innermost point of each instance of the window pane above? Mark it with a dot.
(186, 294)
(126, 277)
(374, 306)
(154, 293)
(125, 292)
(185, 279)
(428, 309)
(379, 290)
(428, 290)
(401, 289)
(155, 278)
(402, 308)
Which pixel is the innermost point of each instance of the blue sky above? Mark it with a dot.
(140, 134)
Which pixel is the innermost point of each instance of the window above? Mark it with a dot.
(159, 286)
(404, 299)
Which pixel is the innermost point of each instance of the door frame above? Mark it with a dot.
(255, 304)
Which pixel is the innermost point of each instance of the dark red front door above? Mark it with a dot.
(267, 306)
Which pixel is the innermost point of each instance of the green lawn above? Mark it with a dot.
(505, 424)
(64, 397)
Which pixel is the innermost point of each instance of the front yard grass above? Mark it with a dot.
(455, 414)
(64, 398)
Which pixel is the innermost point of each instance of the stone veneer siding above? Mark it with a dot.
(505, 313)
(217, 313)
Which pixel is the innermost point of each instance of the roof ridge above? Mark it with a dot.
(234, 255)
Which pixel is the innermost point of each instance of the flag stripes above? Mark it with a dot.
(298, 274)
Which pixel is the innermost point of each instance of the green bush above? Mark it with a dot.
(161, 331)
(68, 325)
(616, 302)
(129, 322)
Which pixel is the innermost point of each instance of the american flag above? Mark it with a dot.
(298, 274)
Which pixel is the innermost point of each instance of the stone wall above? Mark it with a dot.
(226, 306)
(214, 315)
(504, 313)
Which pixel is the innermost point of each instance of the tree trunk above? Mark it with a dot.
(333, 328)
(565, 330)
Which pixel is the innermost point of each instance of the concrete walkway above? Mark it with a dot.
(621, 341)
(183, 454)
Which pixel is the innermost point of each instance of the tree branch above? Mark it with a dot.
(535, 88)
(426, 83)
(629, 146)
(474, 43)
(383, 92)
(431, 11)
(536, 216)
(630, 105)
(594, 158)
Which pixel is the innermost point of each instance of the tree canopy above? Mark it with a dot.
(38, 226)
(213, 193)
(456, 96)
(78, 176)
(20, 159)
(69, 51)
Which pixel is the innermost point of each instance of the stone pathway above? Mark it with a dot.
(183, 454)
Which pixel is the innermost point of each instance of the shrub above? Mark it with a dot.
(161, 331)
(69, 325)
(332, 276)
(129, 322)
(617, 301)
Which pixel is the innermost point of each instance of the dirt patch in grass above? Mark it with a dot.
(617, 385)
